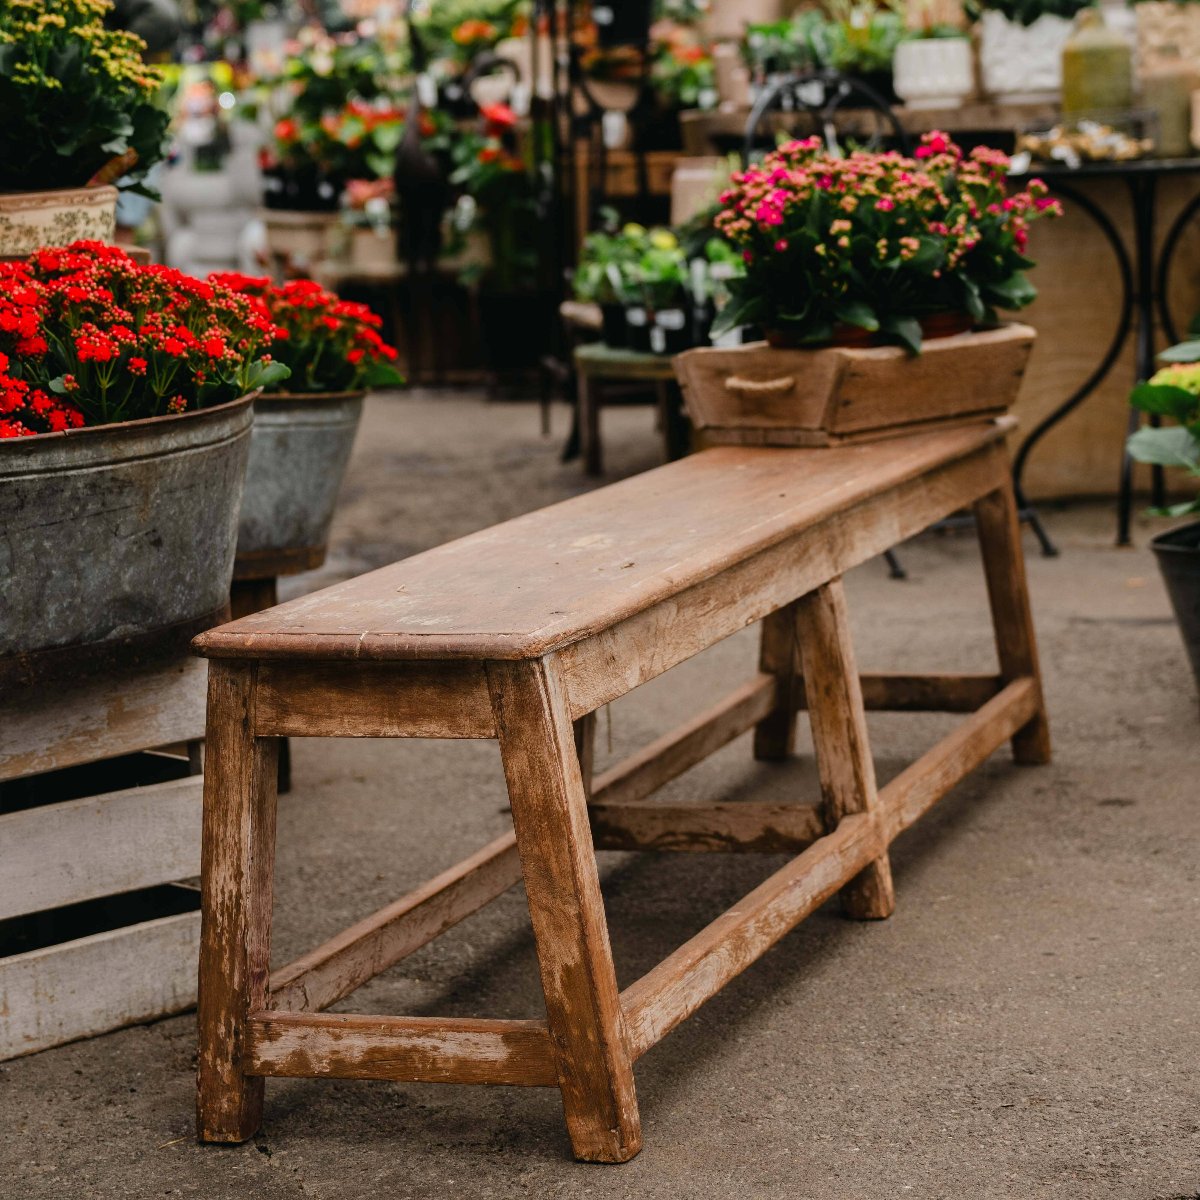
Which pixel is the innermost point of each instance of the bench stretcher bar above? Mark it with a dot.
(295, 1038)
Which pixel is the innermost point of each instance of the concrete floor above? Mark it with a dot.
(1024, 1026)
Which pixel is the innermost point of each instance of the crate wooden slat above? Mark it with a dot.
(101, 717)
(79, 850)
(94, 984)
(75, 851)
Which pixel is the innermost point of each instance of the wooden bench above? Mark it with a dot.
(521, 633)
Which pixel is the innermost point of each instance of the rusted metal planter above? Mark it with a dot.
(298, 455)
(117, 541)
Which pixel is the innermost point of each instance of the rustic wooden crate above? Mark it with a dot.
(117, 843)
(756, 395)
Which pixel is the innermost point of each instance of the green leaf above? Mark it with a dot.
(929, 256)
(1185, 352)
(1169, 447)
(1184, 509)
(856, 312)
(906, 330)
(1165, 399)
(974, 301)
(387, 137)
(381, 374)
(265, 375)
(1014, 292)
(741, 310)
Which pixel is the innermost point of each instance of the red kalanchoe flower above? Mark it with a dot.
(330, 345)
(123, 340)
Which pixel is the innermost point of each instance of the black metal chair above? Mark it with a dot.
(834, 107)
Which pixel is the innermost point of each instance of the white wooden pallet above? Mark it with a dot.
(65, 853)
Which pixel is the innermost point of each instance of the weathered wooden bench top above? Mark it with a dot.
(550, 578)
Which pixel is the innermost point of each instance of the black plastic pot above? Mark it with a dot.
(303, 190)
(613, 326)
(1178, 554)
(516, 328)
(670, 331)
(637, 327)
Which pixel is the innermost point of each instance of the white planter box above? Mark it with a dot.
(1019, 63)
(934, 72)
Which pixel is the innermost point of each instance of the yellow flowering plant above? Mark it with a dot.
(79, 104)
(1172, 392)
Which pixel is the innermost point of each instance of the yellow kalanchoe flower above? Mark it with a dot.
(1180, 375)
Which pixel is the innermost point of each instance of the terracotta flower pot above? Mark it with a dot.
(298, 454)
(761, 395)
(935, 325)
(32, 219)
(118, 539)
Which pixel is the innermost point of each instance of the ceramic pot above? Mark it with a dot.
(117, 537)
(761, 395)
(934, 72)
(32, 219)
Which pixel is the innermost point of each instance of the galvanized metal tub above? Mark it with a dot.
(117, 540)
(298, 455)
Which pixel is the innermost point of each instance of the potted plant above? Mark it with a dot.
(603, 275)
(332, 122)
(860, 39)
(852, 36)
(659, 317)
(125, 411)
(1021, 44)
(80, 113)
(934, 65)
(878, 257)
(507, 199)
(1174, 392)
(304, 432)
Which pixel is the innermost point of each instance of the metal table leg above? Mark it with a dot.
(1125, 325)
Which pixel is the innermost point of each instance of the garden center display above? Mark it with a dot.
(869, 250)
(80, 112)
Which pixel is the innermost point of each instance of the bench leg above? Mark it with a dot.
(1004, 566)
(775, 734)
(839, 725)
(237, 865)
(549, 809)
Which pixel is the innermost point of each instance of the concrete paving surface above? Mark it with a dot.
(1024, 1026)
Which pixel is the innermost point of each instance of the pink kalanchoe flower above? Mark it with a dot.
(781, 245)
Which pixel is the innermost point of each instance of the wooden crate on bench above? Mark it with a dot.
(96, 931)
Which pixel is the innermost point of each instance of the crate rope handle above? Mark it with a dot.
(760, 387)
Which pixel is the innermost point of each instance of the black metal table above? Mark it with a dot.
(1144, 281)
